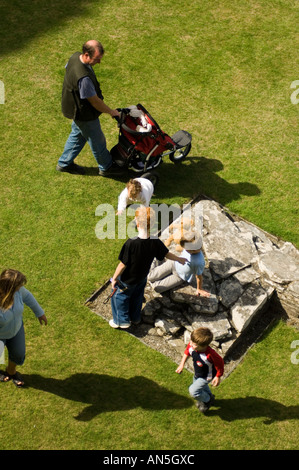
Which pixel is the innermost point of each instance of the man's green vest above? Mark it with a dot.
(73, 107)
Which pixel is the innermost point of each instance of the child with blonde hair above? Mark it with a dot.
(130, 276)
(170, 274)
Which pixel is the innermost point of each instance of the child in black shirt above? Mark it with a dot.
(130, 276)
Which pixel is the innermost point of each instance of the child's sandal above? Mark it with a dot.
(17, 379)
(4, 376)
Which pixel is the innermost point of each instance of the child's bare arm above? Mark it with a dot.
(119, 270)
(216, 381)
(174, 257)
(181, 366)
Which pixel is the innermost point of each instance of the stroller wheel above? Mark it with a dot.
(152, 176)
(180, 154)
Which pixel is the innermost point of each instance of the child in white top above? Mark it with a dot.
(137, 190)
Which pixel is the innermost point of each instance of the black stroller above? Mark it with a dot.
(142, 144)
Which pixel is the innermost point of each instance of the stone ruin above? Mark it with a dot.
(253, 278)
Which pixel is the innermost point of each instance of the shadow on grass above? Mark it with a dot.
(253, 407)
(188, 179)
(198, 175)
(105, 393)
(123, 176)
(22, 21)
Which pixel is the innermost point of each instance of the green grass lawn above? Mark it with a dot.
(221, 70)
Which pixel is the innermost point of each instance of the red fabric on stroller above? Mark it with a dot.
(144, 142)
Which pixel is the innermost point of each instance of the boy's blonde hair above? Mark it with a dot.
(145, 217)
(202, 337)
(134, 188)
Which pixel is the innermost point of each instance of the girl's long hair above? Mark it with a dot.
(10, 281)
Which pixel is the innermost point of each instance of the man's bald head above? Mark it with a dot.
(92, 52)
(91, 47)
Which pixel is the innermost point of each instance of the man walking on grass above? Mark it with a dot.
(83, 102)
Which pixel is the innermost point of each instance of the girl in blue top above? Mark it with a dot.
(13, 296)
(170, 274)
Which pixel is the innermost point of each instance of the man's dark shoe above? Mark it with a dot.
(74, 169)
(113, 170)
(204, 407)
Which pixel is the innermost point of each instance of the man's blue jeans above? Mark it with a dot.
(200, 390)
(90, 132)
(126, 303)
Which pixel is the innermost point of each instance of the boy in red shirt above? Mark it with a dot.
(208, 367)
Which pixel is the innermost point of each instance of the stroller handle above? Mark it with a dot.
(123, 112)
